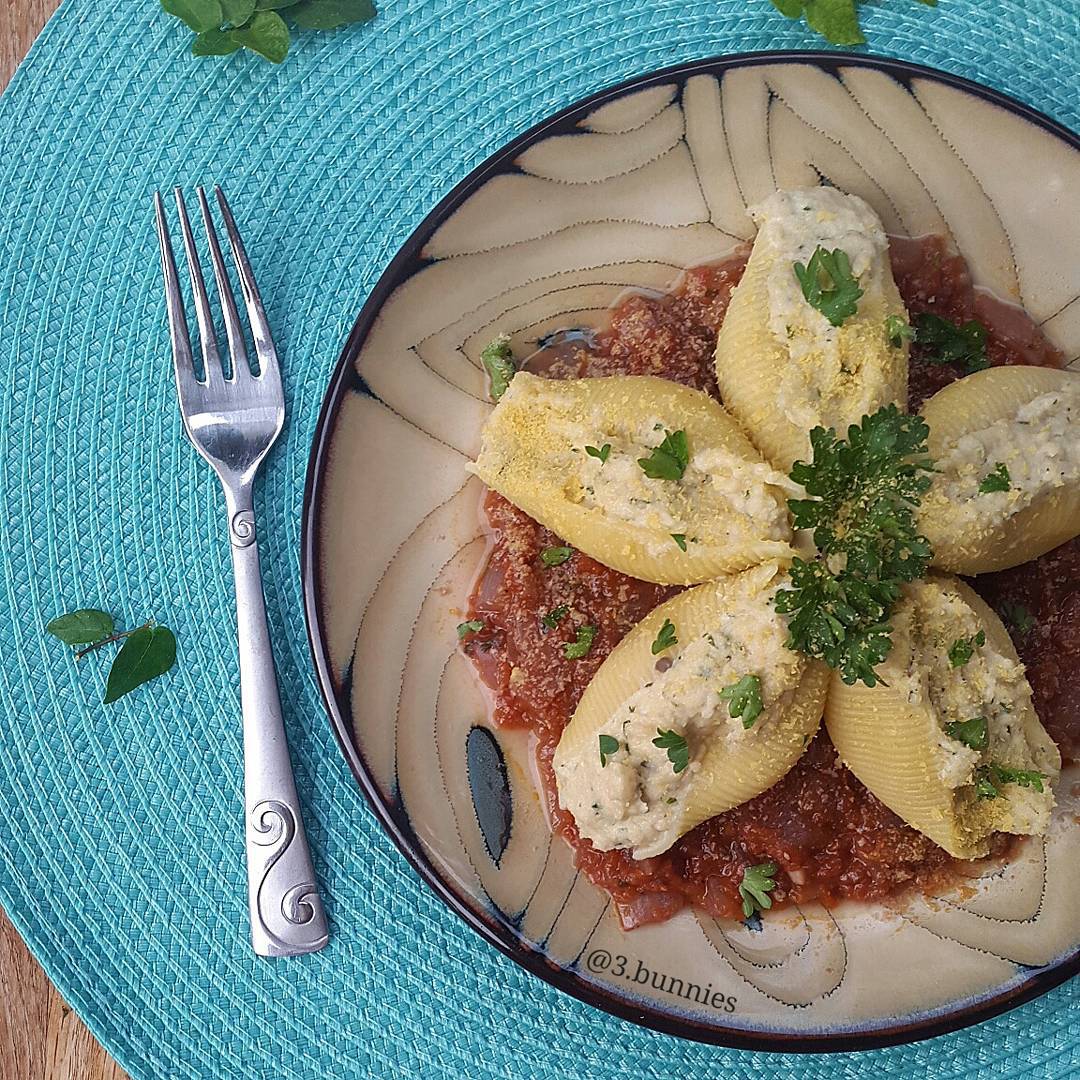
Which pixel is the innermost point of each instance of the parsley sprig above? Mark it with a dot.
(963, 649)
(863, 493)
(989, 778)
(665, 639)
(944, 342)
(758, 881)
(974, 733)
(828, 284)
(678, 752)
(997, 479)
(744, 699)
(669, 460)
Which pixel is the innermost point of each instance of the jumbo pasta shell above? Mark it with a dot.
(728, 509)
(975, 532)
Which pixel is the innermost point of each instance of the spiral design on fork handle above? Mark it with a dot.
(242, 528)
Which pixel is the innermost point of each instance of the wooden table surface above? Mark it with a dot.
(40, 1037)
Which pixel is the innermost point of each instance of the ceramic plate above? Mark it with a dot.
(622, 191)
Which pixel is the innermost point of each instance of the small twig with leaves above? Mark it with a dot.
(148, 650)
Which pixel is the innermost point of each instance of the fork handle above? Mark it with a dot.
(287, 917)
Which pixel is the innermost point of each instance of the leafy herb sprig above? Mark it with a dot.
(226, 26)
(668, 461)
(828, 285)
(678, 751)
(758, 881)
(147, 651)
(863, 493)
(988, 779)
(835, 20)
(944, 342)
(963, 649)
(744, 699)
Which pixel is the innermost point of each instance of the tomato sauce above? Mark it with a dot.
(832, 839)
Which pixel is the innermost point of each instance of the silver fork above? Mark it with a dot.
(232, 420)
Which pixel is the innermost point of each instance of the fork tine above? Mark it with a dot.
(174, 301)
(260, 327)
(233, 329)
(207, 338)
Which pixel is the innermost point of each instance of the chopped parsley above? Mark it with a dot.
(498, 362)
(678, 752)
(669, 460)
(989, 777)
(666, 638)
(582, 643)
(555, 616)
(996, 480)
(680, 539)
(974, 733)
(963, 649)
(602, 453)
(555, 556)
(608, 746)
(828, 285)
(1018, 616)
(757, 883)
(473, 626)
(945, 342)
(862, 497)
(897, 331)
(744, 699)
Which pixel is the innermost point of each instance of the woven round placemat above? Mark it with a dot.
(120, 839)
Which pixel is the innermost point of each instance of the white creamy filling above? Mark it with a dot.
(1039, 446)
(791, 226)
(636, 800)
(721, 498)
(989, 685)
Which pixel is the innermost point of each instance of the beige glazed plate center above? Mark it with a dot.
(625, 192)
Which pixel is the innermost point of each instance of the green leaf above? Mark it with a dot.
(974, 733)
(273, 5)
(828, 284)
(608, 746)
(835, 20)
(678, 752)
(943, 342)
(963, 649)
(498, 361)
(555, 616)
(666, 638)
(680, 539)
(602, 453)
(266, 35)
(237, 12)
(669, 460)
(147, 653)
(997, 479)
(582, 643)
(82, 627)
(1018, 616)
(330, 14)
(473, 626)
(757, 883)
(214, 43)
(744, 699)
(897, 331)
(1024, 777)
(555, 556)
(791, 8)
(200, 15)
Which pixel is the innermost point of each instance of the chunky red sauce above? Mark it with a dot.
(832, 838)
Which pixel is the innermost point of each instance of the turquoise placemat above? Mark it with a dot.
(120, 843)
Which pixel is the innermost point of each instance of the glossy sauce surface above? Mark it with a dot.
(831, 837)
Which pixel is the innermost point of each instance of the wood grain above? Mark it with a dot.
(40, 1037)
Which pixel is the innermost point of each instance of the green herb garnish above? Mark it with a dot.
(498, 362)
(945, 342)
(1018, 617)
(828, 285)
(897, 331)
(608, 746)
(602, 453)
(744, 699)
(223, 27)
(148, 651)
(680, 539)
(555, 556)
(666, 638)
(835, 20)
(473, 626)
(974, 733)
(757, 883)
(996, 480)
(669, 460)
(582, 643)
(989, 777)
(555, 616)
(963, 649)
(863, 495)
(678, 753)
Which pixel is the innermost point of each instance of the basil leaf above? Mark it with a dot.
(214, 43)
(200, 15)
(330, 14)
(82, 627)
(147, 653)
(266, 35)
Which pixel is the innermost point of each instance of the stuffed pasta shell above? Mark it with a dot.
(949, 740)
(698, 709)
(1006, 446)
(645, 475)
(785, 366)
